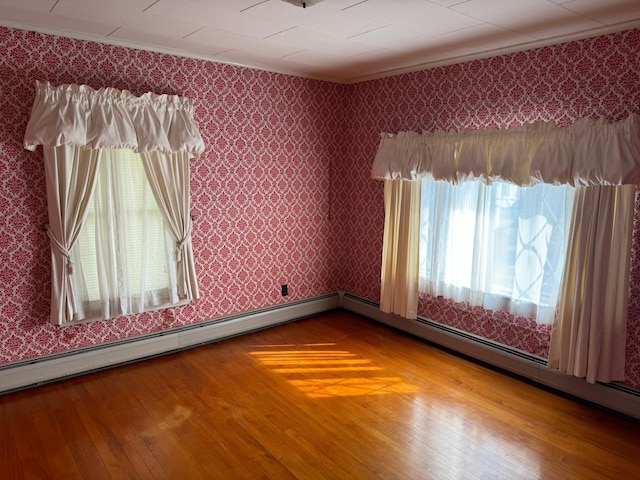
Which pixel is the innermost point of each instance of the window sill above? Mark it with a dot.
(164, 306)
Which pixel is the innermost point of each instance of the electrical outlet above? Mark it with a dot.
(284, 289)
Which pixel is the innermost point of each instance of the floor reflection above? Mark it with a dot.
(326, 370)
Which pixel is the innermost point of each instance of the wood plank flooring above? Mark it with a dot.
(331, 397)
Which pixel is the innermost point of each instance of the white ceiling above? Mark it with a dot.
(338, 40)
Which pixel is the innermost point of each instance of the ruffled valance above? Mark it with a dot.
(80, 116)
(589, 152)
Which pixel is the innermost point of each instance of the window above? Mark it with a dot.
(81, 129)
(504, 247)
(124, 259)
(500, 246)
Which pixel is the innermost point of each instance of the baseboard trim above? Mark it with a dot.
(29, 373)
(612, 397)
(24, 374)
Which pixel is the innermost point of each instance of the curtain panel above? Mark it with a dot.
(399, 275)
(169, 181)
(589, 336)
(75, 123)
(70, 177)
(589, 152)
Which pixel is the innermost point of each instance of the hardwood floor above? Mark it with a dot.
(332, 397)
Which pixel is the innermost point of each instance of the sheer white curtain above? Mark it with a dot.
(590, 153)
(70, 120)
(499, 246)
(124, 257)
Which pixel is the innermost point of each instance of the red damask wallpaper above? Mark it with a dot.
(282, 193)
(598, 77)
(261, 192)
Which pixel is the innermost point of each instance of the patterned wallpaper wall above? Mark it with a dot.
(589, 78)
(283, 192)
(260, 193)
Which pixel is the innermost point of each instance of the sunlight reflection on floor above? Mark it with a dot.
(324, 370)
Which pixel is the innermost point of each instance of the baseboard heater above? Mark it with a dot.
(45, 369)
(616, 397)
(28, 373)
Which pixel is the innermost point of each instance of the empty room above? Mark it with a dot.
(324, 239)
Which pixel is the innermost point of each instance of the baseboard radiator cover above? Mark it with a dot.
(29, 373)
(615, 397)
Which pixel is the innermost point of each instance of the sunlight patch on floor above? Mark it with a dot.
(324, 370)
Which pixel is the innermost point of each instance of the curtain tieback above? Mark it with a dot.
(180, 244)
(63, 250)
